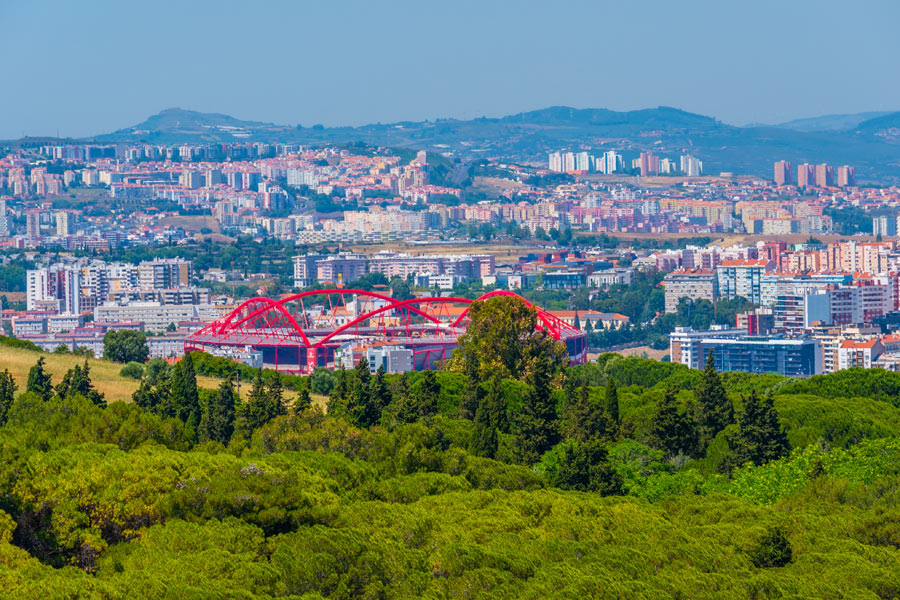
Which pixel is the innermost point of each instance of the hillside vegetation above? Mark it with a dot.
(505, 475)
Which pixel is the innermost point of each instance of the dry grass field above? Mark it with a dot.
(104, 374)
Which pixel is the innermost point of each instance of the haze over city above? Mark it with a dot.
(100, 66)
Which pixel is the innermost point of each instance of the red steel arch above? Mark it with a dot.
(266, 323)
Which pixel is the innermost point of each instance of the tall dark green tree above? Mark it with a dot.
(584, 420)
(146, 396)
(77, 381)
(337, 399)
(428, 394)
(585, 466)
(490, 419)
(759, 437)
(420, 400)
(39, 381)
(611, 403)
(536, 425)
(275, 391)
(304, 400)
(715, 411)
(358, 408)
(260, 408)
(472, 393)
(672, 430)
(185, 396)
(7, 394)
(217, 422)
(379, 397)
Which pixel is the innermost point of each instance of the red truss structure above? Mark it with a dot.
(303, 331)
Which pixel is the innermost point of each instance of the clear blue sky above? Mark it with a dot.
(92, 67)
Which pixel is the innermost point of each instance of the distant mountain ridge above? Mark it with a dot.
(843, 122)
(867, 140)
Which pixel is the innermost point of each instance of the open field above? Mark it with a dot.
(104, 374)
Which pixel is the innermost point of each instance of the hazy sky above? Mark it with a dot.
(93, 67)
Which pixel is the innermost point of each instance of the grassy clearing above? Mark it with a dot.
(104, 374)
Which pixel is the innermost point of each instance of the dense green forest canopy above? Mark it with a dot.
(622, 478)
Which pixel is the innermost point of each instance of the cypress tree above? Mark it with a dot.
(759, 437)
(39, 381)
(490, 419)
(536, 423)
(358, 398)
(672, 430)
(217, 422)
(185, 397)
(715, 411)
(472, 395)
(7, 394)
(611, 401)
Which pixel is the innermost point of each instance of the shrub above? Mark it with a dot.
(133, 370)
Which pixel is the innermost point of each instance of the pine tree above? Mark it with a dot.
(672, 430)
(217, 423)
(536, 423)
(39, 381)
(7, 394)
(759, 437)
(584, 420)
(63, 388)
(490, 419)
(337, 400)
(358, 398)
(379, 397)
(146, 396)
(266, 401)
(275, 393)
(715, 411)
(77, 381)
(428, 394)
(585, 466)
(303, 401)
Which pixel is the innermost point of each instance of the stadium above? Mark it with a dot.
(334, 328)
